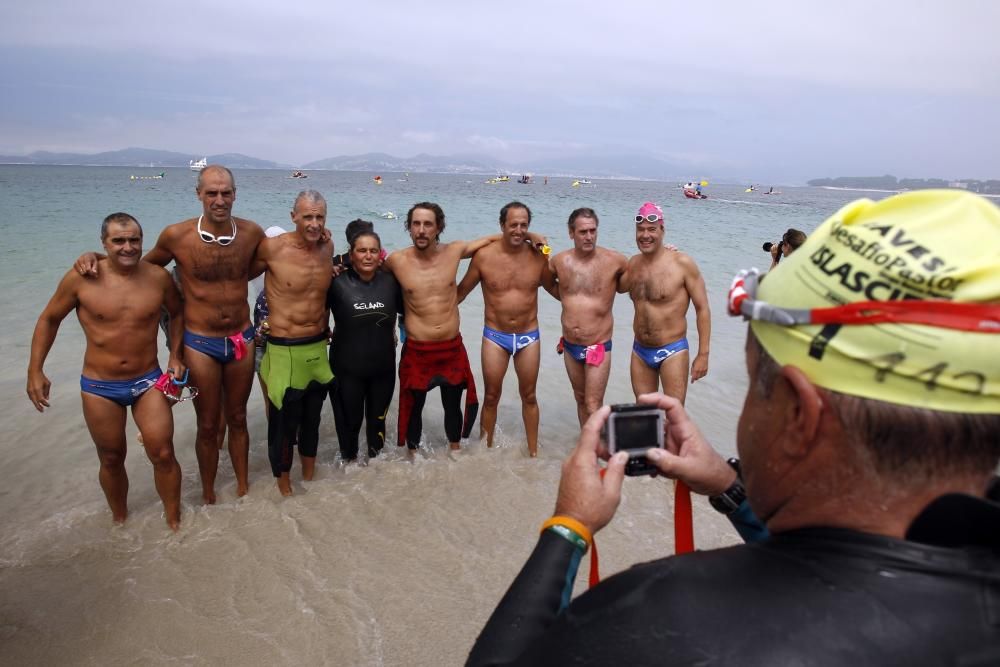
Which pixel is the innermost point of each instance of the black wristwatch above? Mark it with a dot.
(730, 500)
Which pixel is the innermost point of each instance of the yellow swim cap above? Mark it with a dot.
(928, 244)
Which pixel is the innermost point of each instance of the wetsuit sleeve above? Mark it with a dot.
(539, 593)
(748, 524)
(331, 295)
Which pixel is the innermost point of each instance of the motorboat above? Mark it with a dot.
(298, 174)
(691, 193)
(198, 165)
(525, 179)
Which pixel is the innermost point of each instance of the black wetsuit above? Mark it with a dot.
(363, 356)
(814, 596)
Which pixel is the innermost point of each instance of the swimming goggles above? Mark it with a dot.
(170, 387)
(652, 217)
(975, 317)
(208, 237)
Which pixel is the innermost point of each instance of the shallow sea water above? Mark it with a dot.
(396, 563)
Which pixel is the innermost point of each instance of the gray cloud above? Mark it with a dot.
(780, 89)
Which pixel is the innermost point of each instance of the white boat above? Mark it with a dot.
(198, 165)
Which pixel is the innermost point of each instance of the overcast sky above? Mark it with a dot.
(793, 90)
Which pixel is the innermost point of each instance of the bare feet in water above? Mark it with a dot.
(308, 467)
(285, 484)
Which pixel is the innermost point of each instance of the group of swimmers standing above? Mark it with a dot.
(119, 297)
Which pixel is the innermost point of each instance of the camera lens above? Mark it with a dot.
(767, 246)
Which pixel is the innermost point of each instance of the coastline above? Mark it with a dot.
(892, 192)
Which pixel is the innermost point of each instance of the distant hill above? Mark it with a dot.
(594, 165)
(139, 157)
(587, 166)
(423, 163)
(888, 182)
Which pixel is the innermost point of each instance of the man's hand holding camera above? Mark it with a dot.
(592, 499)
(687, 456)
(584, 494)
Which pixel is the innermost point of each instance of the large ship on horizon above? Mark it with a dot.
(198, 165)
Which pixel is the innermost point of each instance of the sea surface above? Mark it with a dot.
(396, 563)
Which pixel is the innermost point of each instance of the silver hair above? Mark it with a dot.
(311, 196)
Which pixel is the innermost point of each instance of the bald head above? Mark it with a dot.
(212, 170)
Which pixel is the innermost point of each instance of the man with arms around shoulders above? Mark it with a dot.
(662, 284)
(870, 459)
(213, 253)
(433, 354)
(588, 277)
(119, 311)
(294, 367)
(511, 271)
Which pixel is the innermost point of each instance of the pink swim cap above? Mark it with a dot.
(647, 209)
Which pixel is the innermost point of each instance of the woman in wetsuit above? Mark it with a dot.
(364, 301)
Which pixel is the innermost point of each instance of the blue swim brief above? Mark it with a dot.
(511, 342)
(579, 352)
(221, 348)
(122, 392)
(654, 356)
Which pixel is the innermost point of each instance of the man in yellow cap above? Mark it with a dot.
(869, 439)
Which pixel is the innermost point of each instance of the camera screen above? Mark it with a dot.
(636, 431)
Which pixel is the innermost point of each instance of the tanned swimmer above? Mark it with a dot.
(511, 272)
(662, 284)
(295, 367)
(433, 354)
(119, 311)
(213, 253)
(589, 277)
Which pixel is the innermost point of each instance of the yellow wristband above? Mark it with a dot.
(573, 525)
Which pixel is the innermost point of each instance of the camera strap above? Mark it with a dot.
(683, 530)
(595, 575)
(683, 521)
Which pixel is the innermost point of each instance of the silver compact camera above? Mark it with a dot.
(634, 429)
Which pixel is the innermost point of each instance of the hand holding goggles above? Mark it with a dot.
(978, 318)
(208, 237)
(173, 388)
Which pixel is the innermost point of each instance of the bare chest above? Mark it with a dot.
(299, 273)
(122, 305)
(210, 262)
(426, 278)
(507, 274)
(655, 284)
(595, 279)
